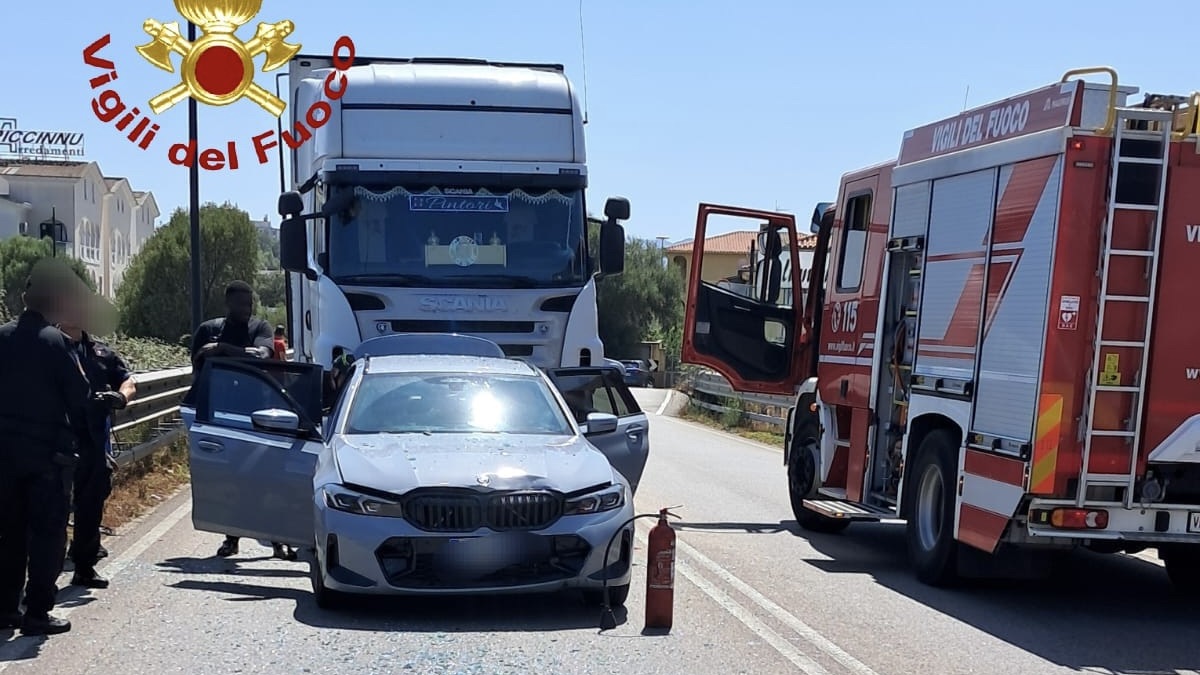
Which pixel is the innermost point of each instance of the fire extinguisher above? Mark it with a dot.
(660, 573)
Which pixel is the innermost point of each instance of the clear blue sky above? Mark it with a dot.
(760, 103)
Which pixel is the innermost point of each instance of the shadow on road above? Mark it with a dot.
(1098, 613)
(230, 566)
(442, 614)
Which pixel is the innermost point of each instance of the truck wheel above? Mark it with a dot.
(802, 484)
(1183, 567)
(930, 528)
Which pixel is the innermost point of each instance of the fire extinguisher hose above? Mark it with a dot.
(608, 620)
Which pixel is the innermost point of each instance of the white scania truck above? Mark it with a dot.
(441, 195)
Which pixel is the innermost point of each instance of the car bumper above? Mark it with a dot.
(376, 555)
(1152, 524)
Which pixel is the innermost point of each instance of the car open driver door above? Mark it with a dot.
(253, 448)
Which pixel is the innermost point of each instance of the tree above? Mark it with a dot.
(645, 302)
(155, 299)
(17, 257)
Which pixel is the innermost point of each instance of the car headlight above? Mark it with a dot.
(341, 498)
(612, 497)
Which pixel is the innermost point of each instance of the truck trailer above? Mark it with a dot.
(997, 346)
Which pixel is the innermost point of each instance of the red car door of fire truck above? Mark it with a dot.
(751, 326)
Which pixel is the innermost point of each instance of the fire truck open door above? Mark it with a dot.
(754, 333)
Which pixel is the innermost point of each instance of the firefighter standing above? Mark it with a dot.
(112, 388)
(43, 394)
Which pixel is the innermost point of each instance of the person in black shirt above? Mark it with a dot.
(43, 394)
(238, 333)
(113, 387)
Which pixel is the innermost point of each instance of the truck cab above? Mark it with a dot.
(442, 195)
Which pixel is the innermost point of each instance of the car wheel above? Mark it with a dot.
(932, 549)
(325, 597)
(617, 595)
(802, 474)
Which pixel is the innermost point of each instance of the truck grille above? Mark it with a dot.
(444, 511)
(468, 327)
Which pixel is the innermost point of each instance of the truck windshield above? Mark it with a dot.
(476, 237)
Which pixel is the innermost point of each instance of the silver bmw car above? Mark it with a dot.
(458, 472)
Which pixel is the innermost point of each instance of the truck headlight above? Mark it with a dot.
(341, 498)
(612, 497)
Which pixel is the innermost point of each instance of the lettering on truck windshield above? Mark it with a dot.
(459, 237)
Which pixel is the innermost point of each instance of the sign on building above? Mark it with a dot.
(23, 143)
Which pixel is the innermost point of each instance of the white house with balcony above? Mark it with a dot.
(104, 221)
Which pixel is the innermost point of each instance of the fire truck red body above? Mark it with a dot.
(1004, 351)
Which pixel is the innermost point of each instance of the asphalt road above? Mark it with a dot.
(753, 595)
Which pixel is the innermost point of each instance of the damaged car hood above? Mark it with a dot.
(397, 463)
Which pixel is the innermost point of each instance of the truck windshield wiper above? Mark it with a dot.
(502, 280)
(388, 279)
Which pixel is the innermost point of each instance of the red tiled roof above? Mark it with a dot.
(736, 242)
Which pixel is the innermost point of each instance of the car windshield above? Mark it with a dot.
(478, 237)
(432, 403)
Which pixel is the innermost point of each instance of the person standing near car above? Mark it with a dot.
(238, 333)
(112, 388)
(43, 398)
(280, 344)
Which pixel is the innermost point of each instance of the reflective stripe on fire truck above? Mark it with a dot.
(992, 488)
(1045, 445)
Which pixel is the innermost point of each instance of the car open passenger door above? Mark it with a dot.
(601, 390)
(751, 326)
(253, 448)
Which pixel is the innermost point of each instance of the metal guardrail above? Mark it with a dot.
(157, 402)
(710, 391)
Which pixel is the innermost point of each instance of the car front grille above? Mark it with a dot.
(452, 511)
(513, 559)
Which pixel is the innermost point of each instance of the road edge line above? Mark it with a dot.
(666, 400)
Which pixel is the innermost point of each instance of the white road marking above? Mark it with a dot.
(666, 400)
(787, 618)
(781, 645)
(727, 436)
(808, 633)
(12, 650)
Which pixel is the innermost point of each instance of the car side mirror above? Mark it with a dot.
(616, 208)
(600, 423)
(274, 419)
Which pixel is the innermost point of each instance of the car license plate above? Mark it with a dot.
(1194, 521)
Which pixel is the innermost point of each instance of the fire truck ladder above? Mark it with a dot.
(1098, 385)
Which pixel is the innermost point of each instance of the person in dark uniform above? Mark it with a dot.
(112, 389)
(238, 333)
(43, 394)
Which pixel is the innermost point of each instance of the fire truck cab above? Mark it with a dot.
(997, 344)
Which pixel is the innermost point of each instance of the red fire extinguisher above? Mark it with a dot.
(660, 574)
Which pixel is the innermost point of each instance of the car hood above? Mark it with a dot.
(397, 463)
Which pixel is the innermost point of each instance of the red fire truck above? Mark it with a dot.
(1004, 351)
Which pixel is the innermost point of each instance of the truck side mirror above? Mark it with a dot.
(616, 208)
(612, 236)
(818, 216)
(293, 247)
(290, 204)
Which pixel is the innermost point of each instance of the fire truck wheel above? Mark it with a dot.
(930, 526)
(1183, 568)
(802, 484)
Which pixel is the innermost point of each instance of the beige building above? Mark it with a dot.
(104, 220)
